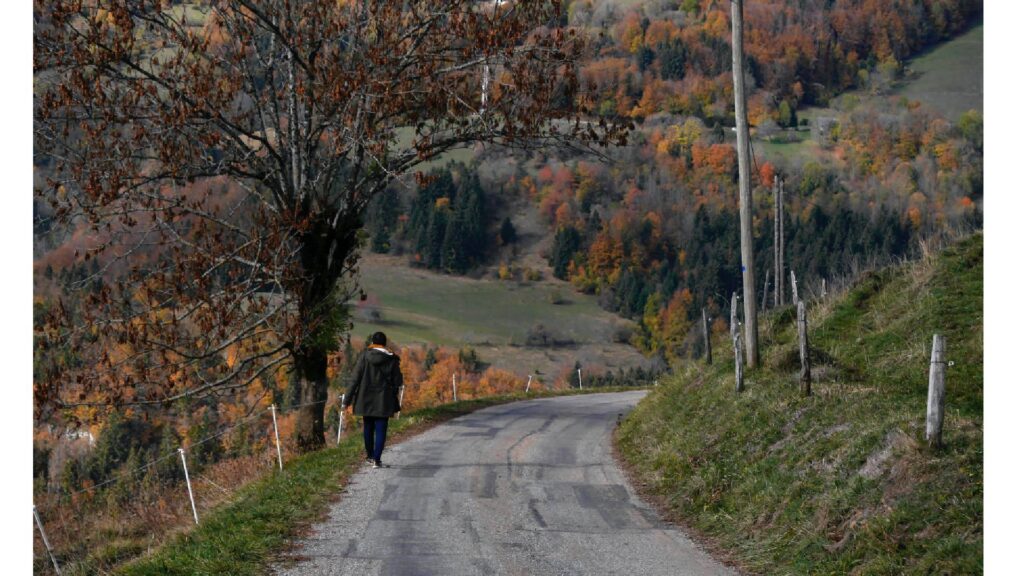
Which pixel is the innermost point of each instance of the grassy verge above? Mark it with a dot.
(841, 482)
(243, 536)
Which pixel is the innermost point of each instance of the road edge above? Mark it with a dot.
(660, 505)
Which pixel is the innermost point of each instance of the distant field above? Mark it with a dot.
(793, 154)
(459, 155)
(492, 316)
(949, 76)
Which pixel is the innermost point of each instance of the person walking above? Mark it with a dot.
(373, 394)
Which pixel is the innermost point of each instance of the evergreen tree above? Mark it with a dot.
(202, 450)
(672, 56)
(71, 476)
(169, 469)
(453, 249)
(567, 243)
(436, 233)
(112, 448)
(508, 232)
(382, 217)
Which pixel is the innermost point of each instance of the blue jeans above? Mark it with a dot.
(375, 431)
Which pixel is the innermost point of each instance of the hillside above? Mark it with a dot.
(495, 318)
(841, 482)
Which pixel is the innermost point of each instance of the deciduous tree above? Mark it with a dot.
(236, 145)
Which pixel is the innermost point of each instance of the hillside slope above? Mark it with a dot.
(841, 482)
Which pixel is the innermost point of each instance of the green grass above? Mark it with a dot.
(462, 155)
(425, 307)
(245, 535)
(804, 149)
(949, 76)
(841, 482)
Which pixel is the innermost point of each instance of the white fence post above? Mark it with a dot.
(277, 439)
(189, 484)
(46, 541)
(936, 392)
(579, 374)
(530, 379)
(455, 392)
(401, 397)
(341, 419)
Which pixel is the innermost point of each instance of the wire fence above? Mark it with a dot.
(91, 529)
(94, 528)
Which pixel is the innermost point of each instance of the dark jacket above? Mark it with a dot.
(376, 379)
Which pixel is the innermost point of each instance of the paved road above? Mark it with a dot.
(526, 488)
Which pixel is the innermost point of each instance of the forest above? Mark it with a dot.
(654, 229)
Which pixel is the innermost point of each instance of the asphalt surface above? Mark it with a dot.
(527, 488)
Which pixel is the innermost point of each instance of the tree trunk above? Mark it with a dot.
(325, 248)
(311, 366)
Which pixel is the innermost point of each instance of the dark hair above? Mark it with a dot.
(379, 339)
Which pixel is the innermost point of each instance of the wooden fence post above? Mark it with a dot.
(936, 392)
(764, 294)
(733, 322)
(707, 335)
(737, 347)
(805, 352)
(780, 243)
(792, 277)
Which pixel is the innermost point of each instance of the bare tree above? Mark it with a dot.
(221, 155)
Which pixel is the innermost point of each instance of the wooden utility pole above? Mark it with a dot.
(746, 201)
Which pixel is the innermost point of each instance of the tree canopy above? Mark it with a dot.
(217, 159)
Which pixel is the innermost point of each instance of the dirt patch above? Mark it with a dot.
(875, 465)
(787, 429)
(836, 429)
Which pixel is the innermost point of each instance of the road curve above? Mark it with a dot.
(525, 488)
